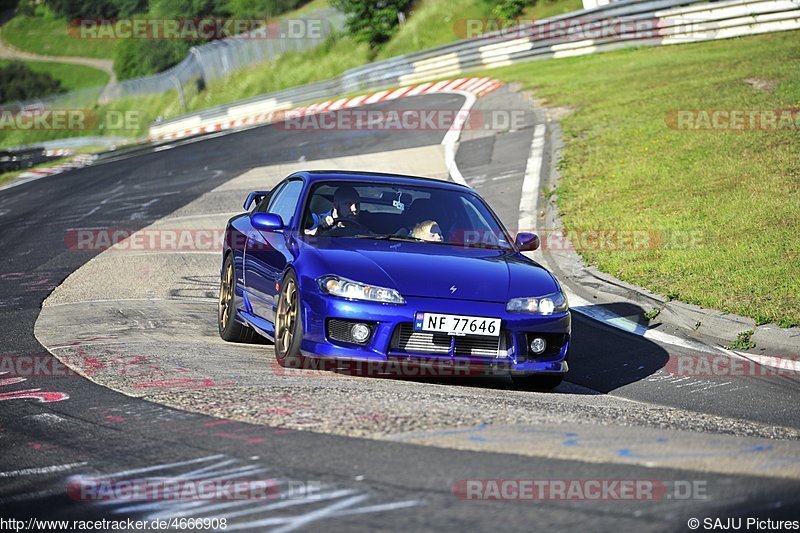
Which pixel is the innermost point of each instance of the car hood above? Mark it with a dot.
(437, 271)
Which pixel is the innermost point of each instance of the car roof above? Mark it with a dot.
(314, 176)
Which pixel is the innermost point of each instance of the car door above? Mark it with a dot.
(267, 253)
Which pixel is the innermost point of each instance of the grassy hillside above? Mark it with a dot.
(730, 199)
(434, 22)
(47, 34)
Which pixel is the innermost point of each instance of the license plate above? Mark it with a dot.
(457, 324)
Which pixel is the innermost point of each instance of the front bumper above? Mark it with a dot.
(512, 358)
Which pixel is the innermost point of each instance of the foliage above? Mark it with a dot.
(372, 22)
(509, 9)
(72, 9)
(18, 82)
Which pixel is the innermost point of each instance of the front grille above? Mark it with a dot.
(478, 346)
(405, 339)
(339, 330)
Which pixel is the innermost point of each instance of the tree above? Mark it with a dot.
(18, 83)
(372, 22)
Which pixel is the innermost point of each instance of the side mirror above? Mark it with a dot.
(266, 221)
(527, 242)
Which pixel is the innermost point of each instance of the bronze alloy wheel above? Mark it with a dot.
(286, 318)
(230, 329)
(225, 297)
(288, 323)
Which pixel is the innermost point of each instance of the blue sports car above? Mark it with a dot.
(373, 268)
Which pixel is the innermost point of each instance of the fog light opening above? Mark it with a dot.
(360, 332)
(538, 345)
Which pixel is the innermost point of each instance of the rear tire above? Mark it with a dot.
(229, 329)
(288, 323)
(537, 382)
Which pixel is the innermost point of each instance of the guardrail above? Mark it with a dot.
(628, 23)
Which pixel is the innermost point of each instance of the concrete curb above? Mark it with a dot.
(687, 320)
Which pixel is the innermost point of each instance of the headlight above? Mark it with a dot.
(544, 305)
(353, 290)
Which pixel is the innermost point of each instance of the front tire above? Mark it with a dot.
(537, 382)
(288, 323)
(229, 329)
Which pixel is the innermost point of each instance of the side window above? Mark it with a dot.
(261, 206)
(284, 203)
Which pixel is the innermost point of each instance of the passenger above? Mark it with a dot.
(427, 230)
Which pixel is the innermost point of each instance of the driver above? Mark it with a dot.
(346, 206)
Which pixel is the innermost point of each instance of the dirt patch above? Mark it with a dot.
(760, 84)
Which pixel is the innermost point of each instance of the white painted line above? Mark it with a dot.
(438, 86)
(41, 470)
(781, 363)
(375, 97)
(355, 101)
(453, 84)
(338, 103)
(397, 93)
(451, 138)
(46, 418)
(601, 314)
(530, 183)
(418, 89)
(472, 83)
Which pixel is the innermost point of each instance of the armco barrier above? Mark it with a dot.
(670, 22)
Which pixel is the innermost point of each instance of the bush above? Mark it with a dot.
(372, 22)
(509, 9)
(72, 9)
(18, 82)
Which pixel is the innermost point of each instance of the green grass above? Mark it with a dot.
(146, 110)
(551, 8)
(47, 34)
(434, 22)
(72, 77)
(737, 194)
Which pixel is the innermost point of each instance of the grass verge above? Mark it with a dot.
(47, 34)
(727, 202)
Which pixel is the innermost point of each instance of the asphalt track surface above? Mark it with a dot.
(366, 484)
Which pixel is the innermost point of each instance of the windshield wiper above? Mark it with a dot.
(400, 238)
(477, 245)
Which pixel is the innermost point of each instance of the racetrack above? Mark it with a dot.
(143, 323)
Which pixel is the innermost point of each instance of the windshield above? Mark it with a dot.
(403, 213)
